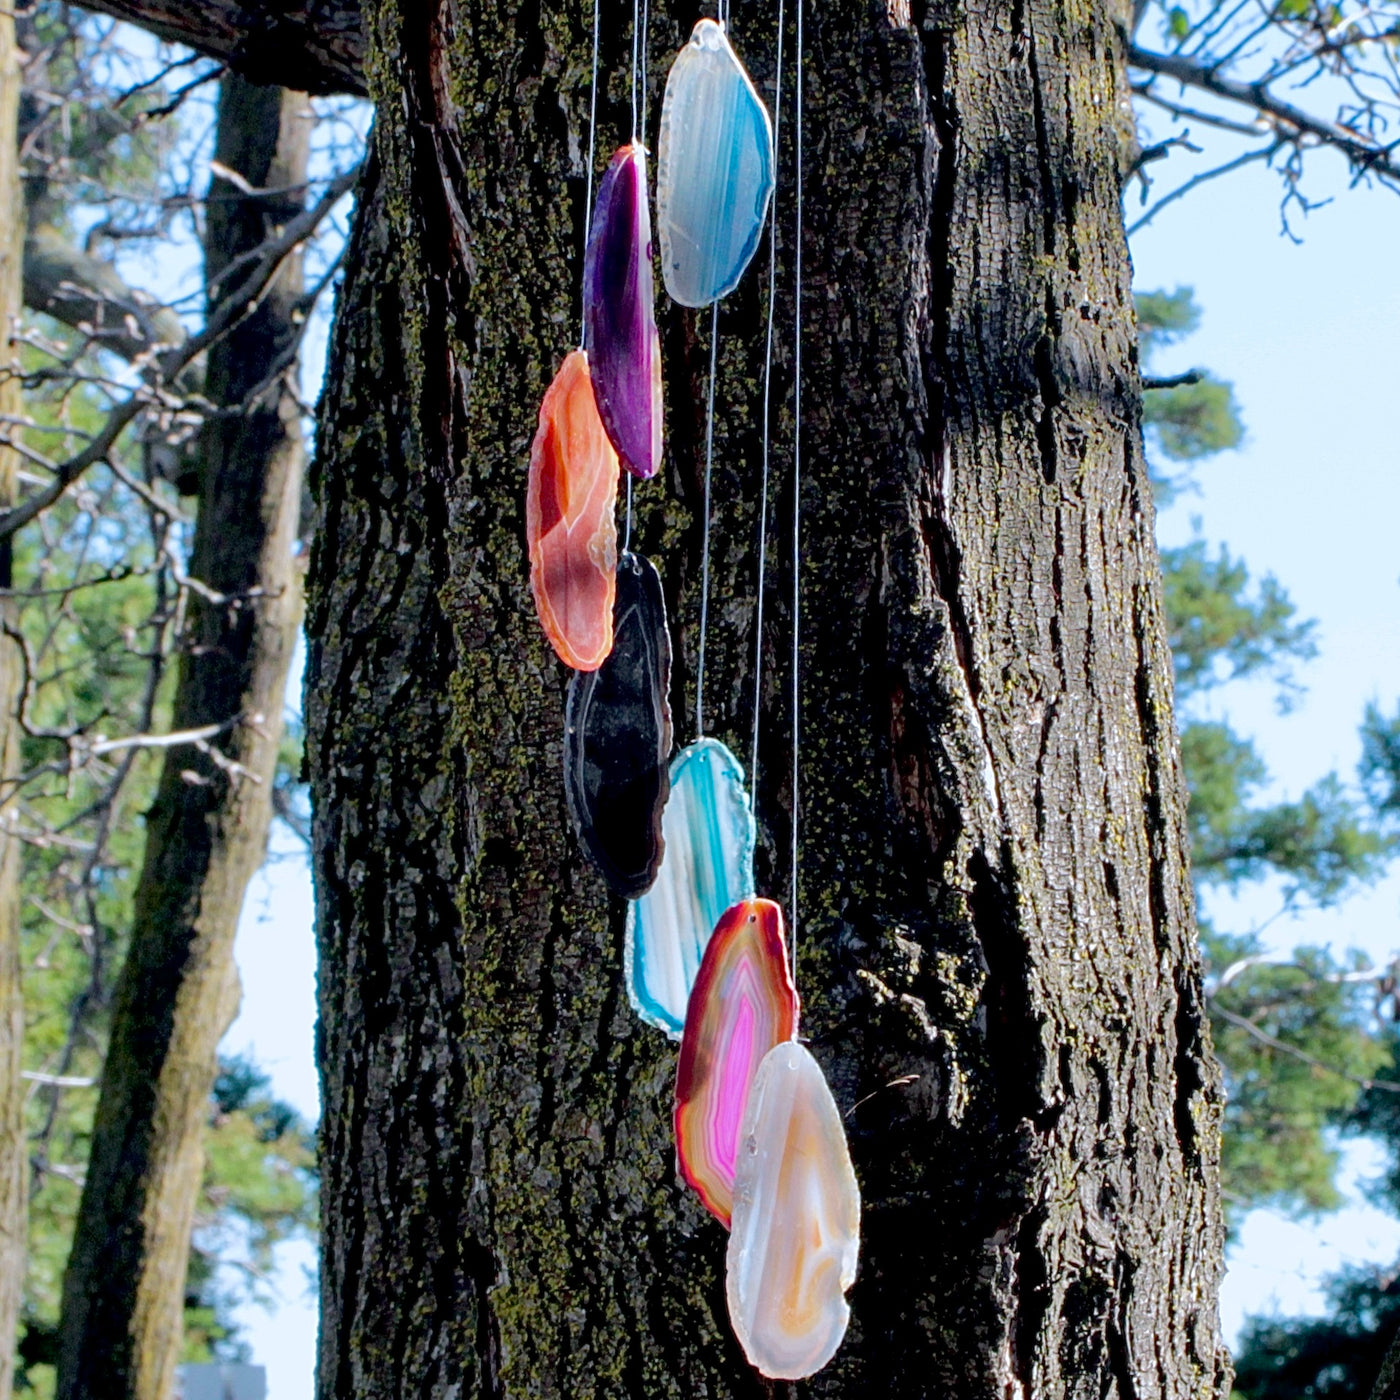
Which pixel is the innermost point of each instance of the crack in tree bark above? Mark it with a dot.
(997, 916)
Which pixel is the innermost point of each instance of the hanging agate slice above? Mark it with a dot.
(569, 520)
(619, 314)
(617, 737)
(708, 867)
(714, 170)
(796, 1228)
(742, 1005)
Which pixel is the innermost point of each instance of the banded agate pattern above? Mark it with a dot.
(714, 170)
(619, 313)
(742, 1005)
(708, 867)
(617, 737)
(795, 1232)
(569, 523)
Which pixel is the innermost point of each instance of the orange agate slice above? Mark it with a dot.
(743, 1004)
(569, 520)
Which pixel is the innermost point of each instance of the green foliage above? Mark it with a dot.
(1188, 421)
(1337, 1357)
(1221, 629)
(1294, 1039)
(1380, 762)
(1297, 1042)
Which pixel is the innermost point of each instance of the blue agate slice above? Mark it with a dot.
(708, 866)
(714, 170)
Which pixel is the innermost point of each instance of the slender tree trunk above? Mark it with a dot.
(14, 1159)
(121, 1328)
(997, 954)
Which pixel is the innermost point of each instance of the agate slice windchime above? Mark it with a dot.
(617, 737)
(569, 519)
(619, 314)
(742, 1005)
(714, 174)
(708, 867)
(796, 1227)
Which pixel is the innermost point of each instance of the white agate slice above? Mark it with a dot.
(714, 171)
(795, 1233)
(708, 833)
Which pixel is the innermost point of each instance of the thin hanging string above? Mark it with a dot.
(627, 533)
(635, 41)
(592, 128)
(796, 477)
(705, 535)
(646, 35)
(767, 385)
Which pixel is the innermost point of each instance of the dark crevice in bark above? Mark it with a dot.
(975, 852)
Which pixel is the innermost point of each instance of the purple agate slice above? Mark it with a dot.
(619, 317)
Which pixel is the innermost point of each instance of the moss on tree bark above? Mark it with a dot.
(997, 953)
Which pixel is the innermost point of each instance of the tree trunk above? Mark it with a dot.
(123, 1300)
(14, 1158)
(997, 954)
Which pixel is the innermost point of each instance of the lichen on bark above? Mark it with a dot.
(996, 943)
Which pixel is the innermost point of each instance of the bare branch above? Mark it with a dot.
(1173, 381)
(229, 312)
(314, 46)
(1274, 1043)
(1288, 120)
(86, 293)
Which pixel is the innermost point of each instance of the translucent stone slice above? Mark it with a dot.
(708, 867)
(619, 314)
(617, 737)
(742, 1005)
(714, 173)
(569, 520)
(796, 1227)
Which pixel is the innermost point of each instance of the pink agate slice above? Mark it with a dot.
(742, 1005)
(619, 316)
(795, 1234)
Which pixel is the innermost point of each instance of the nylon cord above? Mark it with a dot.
(627, 533)
(592, 129)
(767, 415)
(796, 482)
(646, 35)
(705, 536)
(635, 28)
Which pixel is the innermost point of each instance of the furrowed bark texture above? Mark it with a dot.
(14, 1156)
(123, 1303)
(997, 956)
(314, 45)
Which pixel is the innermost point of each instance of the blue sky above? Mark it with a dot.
(1310, 335)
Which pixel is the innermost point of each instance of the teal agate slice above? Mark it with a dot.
(708, 866)
(714, 174)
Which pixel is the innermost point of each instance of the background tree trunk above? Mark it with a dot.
(123, 1299)
(14, 1158)
(997, 948)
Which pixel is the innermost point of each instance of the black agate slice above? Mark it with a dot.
(617, 737)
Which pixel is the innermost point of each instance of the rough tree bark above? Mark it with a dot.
(121, 1327)
(14, 1158)
(998, 961)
